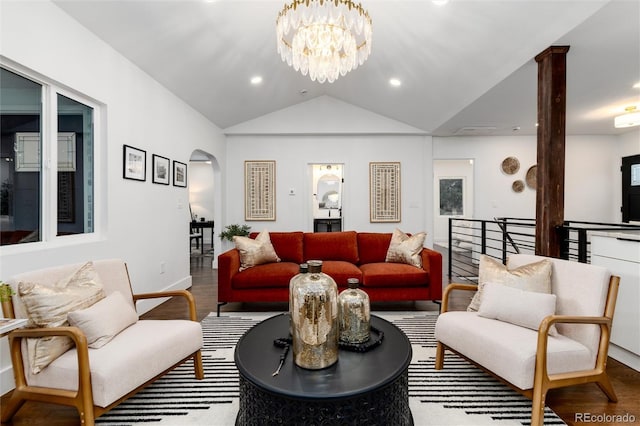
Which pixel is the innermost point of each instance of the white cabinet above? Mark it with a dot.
(620, 253)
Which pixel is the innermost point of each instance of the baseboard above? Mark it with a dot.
(624, 356)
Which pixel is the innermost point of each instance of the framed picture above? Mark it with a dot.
(451, 194)
(259, 190)
(134, 164)
(161, 167)
(179, 174)
(384, 192)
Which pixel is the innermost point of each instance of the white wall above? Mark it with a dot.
(588, 177)
(294, 153)
(143, 223)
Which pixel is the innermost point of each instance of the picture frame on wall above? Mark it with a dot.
(259, 190)
(134, 163)
(161, 169)
(384, 192)
(179, 174)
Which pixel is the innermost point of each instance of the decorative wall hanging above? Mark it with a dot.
(160, 167)
(531, 177)
(179, 174)
(259, 190)
(517, 186)
(134, 164)
(510, 165)
(384, 192)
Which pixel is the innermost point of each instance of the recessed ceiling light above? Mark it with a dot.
(439, 2)
(637, 85)
(256, 80)
(395, 82)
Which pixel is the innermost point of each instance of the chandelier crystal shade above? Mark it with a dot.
(324, 38)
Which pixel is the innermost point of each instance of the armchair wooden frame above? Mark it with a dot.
(543, 381)
(82, 399)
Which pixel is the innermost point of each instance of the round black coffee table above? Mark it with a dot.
(361, 388)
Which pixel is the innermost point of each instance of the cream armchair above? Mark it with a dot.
(95, 380)
(535, 361)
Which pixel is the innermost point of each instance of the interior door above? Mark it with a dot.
(631, 188)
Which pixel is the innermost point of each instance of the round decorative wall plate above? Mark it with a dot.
(510, 165)
(531, 177)
(517, 186)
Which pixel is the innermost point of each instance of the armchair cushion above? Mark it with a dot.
(535, 276)
(48, 306)
(515, 306)
(102, 321)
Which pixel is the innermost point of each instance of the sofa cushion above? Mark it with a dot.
(384, 274)
(373, 246)
(340, 271)
(405, 249)
(265, 276)
(508, 350)
(48, 306)
(530, 277)
(132, 358)
(255, 251)
(102, 321)
(331, 246)
(519, 307)
(288, 245)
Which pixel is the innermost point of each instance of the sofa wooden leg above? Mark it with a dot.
(12, 407)
(197, 363)
(605, 385)
(439, 356)
(537, 407)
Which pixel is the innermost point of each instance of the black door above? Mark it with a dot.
(631, 188)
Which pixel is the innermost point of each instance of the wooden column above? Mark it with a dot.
(551, 149)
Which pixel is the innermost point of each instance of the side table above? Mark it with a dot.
(361, 388)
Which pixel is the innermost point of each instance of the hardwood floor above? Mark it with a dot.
(569, 403)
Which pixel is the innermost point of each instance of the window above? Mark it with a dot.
(36, 161)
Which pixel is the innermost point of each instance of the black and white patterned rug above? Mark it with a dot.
(460, 394)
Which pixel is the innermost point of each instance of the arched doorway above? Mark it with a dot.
(205, 199)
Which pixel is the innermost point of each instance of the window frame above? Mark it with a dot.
(50, 90)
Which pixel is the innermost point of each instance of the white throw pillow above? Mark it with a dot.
(255, 252)
(102, 321)
(405, 249)
(516, 306)
(531, 277)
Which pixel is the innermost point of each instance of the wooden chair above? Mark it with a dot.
(96, 380)
(586, 299)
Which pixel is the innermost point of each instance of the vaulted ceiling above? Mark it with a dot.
(466, 67)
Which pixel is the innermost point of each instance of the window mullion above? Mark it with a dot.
(50, 164)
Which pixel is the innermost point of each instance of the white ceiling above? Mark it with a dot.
(466, 67)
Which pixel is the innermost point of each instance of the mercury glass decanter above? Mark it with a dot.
(314, 315)
(354, 313)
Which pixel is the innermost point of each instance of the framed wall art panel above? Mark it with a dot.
(259, 190)
(179, 174)
(384, 192)
(161, 166)
(134, 164)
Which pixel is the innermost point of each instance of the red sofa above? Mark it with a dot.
(344, 255)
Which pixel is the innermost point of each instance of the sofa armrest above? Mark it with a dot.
(228, 266)
(432, 263)
(82, 353)
(172, 293)
(451, 287)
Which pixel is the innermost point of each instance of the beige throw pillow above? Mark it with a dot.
(48, 306)
(102, 321)
(255, 252)
(515, 306)
(405, 249)
(532, 277)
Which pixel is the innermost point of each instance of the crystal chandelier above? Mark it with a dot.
(324, 38)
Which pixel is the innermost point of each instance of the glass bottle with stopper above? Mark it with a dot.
(354, 313)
